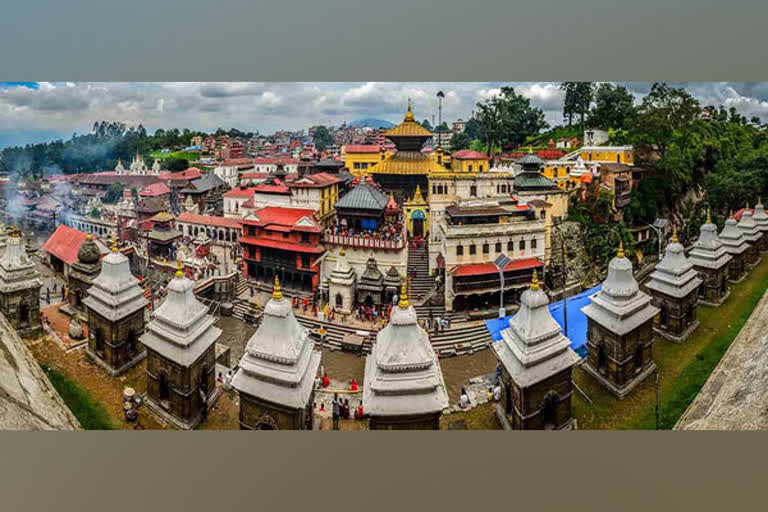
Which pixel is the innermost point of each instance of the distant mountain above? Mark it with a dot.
(373, 123)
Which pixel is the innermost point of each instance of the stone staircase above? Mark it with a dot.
(335, 333)
(461, 339)
(418, 266)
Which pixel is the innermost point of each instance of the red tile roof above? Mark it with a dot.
(469, 154)
(274, 188)
(362, 148)
(281, 216)
(275, 160)
(550, 154)
(64, 243)
(319, 180)
(240, 192)
(254, 175)
(476, 269)
(209, 220)
(155, 189)
(192, 173)
(279, 244)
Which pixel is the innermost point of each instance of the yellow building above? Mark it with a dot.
(608, 154)
(416, 212)
(360, 158)
(468, 160)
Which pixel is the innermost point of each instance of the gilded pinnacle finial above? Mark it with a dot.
(709, 217)
(342, 252)
(403, 296)
(730, 215)
(620, 254)
(535, 280)
(179, 268)
(114, 243)
(530, 150)
(674, 235)
(277, 294)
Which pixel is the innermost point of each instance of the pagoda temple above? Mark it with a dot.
(341, 285)
(710, 259)
(276, 375)
(530, 179)
(735, 244)
(370, 286)
(115, 303)
(761, 219)
(392, 282)
(403, 385)
(19, 287)
(674, 285)
(620, 330)
(181, 346)
(536, 366)
(752, 234)
(407, 167)
(83, 272)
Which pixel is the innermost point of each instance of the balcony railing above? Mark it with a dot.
(490, 283)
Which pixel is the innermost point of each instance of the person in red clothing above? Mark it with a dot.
(322, 408)
(359, 411)
(353, 386)
(326, 380)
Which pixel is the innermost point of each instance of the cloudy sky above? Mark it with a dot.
(34, 111)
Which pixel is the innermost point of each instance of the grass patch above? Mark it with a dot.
(190, 156)
(90, 413)
(683, 369)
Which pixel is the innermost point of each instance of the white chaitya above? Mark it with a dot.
(341, 285)
(402, 373)
(17, 272)
(620, 306)
(674, 275)
(733, 238)
(115, 293)
(749, 227)
(182, 329)
(760, 217)
(280, 363)
(533, 348)
(708, 251)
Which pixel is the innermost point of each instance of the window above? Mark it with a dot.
(511, 246)
(533, 243)
(305, 261)
(472, 249)
(305, 237)
(481, 168)
(473, 191)
(498, 246)
(618, 158)
(357, 165)
(522, 245)
(469, 167)
(486, 248)
(459, 250)
(285, 235)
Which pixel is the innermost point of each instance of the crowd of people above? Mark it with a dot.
(389, 231)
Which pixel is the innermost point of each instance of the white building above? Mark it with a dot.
(229, 174)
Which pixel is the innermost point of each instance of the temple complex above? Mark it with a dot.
(403, 386)
(181, 345)
(761, 219)
(276, 375)
(710, 259)
(536, 366)
(83, 272)
(115, 303)
(341, 285)
(752, 235)
(620, 330)
(736, 246)
(674, 286)
(19, 287)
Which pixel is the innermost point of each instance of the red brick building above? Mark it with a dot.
(282, 241)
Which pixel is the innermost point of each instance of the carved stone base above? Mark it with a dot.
(675, 338)
(115, 372)
(623, 391)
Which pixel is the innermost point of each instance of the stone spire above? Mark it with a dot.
(182, 329)
(708, 251)
(674, 276)
(280, 363)
(759, 215)
(17, 272)
(532, 348)
(732, 237)
(402, 374)
(748, 226)
(115, 293)
(620, 306)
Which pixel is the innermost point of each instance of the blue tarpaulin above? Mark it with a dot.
(577, 321)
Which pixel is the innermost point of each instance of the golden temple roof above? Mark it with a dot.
(408, 128)
(407, 162)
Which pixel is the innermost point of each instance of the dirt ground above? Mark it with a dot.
(459, 369)
(60, 323)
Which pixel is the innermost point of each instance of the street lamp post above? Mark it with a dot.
(440, 97)
(501, 263)
(658, 227)
(564, 273)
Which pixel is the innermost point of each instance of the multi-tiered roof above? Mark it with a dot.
(532, 348)
(760, 217)
(620, 306)
(280, 363)
(709, 251)
(402, 374)
(749, 227)
(733, 238)
(17, 272)
(115, 293)
(674, 276)
(343, 274)
(182, 330)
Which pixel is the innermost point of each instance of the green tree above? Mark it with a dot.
(578, 98)
(614, 107)
(426, 124)
(322, 138)
(114, 193)
(508, 118)
(460, 141)
(176, 164)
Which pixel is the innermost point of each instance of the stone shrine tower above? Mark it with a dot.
(181, 358)
(19, 287)
(710, 259)
(370, 286)
(276, 375)
(115, 304)
(341, 285)
(537, 363)
(403, 386)
(735, 244)
(752, 235)
(83, 272)
(674, 286)
(761, 219)
(620, 330)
